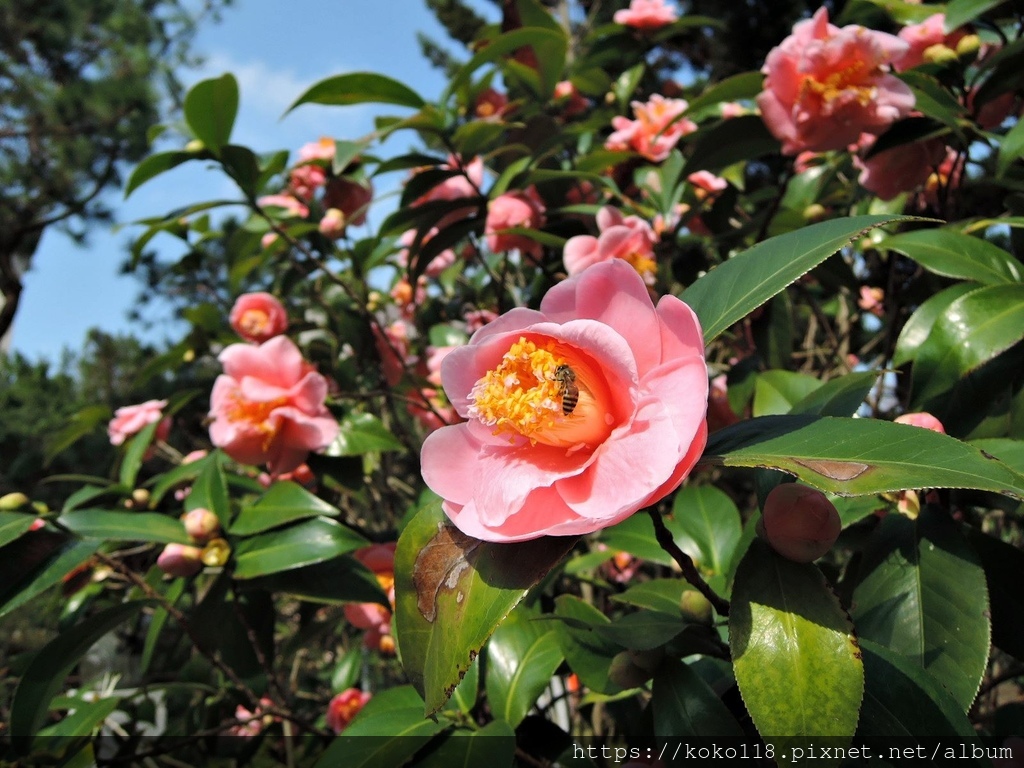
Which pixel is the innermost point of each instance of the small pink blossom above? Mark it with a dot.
(290, 205)
(344, 707)
(871, 300)
(332, 224)
(707, 183)
(922, 419)
(132, 419)
(258, 317)
(621, 237)
(268, 406)
(826, 85)
(305, 180)
(200, 524)
(528, 462)
(323, 149)
(251, 723)
(393, 348)
(521, 208)
(466, 183)
(478, 318)
(568, 97)
(646, 14)
(373, 617)
(655, 131)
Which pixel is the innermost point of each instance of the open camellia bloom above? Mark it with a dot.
(258, 317)
(268, 406)
(646, 14)
(622, 237)
(826, 85)
(578, 414)
(655, 131)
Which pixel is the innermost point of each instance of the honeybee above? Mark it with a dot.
(566, 378)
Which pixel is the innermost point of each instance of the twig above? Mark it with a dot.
(685, 563)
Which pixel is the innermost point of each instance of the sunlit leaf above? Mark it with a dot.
(210, 110)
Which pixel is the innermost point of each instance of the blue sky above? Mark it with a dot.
(276, 51)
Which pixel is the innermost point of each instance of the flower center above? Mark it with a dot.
(849, 80)
(544, 395)
(645, 266)
(256, 414)
(255, 322)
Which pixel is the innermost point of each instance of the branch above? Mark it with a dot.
(686, 564)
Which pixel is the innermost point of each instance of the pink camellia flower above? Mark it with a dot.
(621, 237)
(132, 419)
(921, 37)
(268, 406)
(344, 707)
(922, 419)
(799, 523)
(374, 617)
(521, 208)
(646, 14)
(578, 414)
(258, 317)
(436, 265)
(290, 205)
(467, 183)
(655, 131)
(707, 183)
(305, 180)
(825, 86)
(490, 104)
(323, 149)
(901, 169)
(180, 560)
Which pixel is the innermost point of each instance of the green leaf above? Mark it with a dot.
(711, 520)
(959, 12)
(338, 580)
(921, 593)
(284, 502)
(933, 100)
(44, 676)
(313, 541)
(154, 165)
(85, 718)
(125, 526)
(361, 433)
(776, 392)
(732, 290)
(904, 705)
(918, 328)
(588, 653)
(135, 454)
(642, 630)
(494, 745)
(548, 41)
(35, 562)
(389, 730)
(1011, 148)
(664, 595)
(788, 635)
(13, 525)
(210, 490)
(465, 695)
(953, 254)
(745, 85)
(685, 707)
(974, 329)
(210, 110)
(635, 535)
(452, 591)
(838, 397)
(522, 655)
(730, 141)
(1003, 564)
(359, 88)
(1007, 450)
(854, 457)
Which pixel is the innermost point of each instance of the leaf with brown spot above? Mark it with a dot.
(439, 565)
(836, 470)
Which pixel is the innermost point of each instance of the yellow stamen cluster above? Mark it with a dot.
(842, 82)
(521, 394)
(254, 322)
(645, 266)
(256, 414)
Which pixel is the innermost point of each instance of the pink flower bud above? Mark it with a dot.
(200, 524)
(799, 523)
(922, 419)
(180, 560)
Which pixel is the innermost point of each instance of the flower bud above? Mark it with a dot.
(386, 645)
(200, 524)
(968, 46)
(216, 553)
(695, 607)
(140, 496)
(180, 560)
(625, 672)
(939, 54)
(12, 501)
(648, 660)
(922, 419)
(799, 523)
(815, 212)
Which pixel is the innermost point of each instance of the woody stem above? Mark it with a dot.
(686, 564)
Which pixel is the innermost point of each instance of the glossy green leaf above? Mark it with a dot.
(934, 100)
(210, 490)
(451, 592)
(359, 88)
(838, 397)
(44, 676)
(959, 12)
(974, 329)
(466, 692)
(953, 254)
(125, 526)
(36, 562)
(135, 454)
(587, 653)
(13, 525)
(522, 655)
(284, 502)
(922, 594)
(494, 746)
(1003, 564)
(338, 580)
(905, 706)
(663, 595)
(388, 731)
(210, 110)
(788, 634)
(635, 535)
(776, 392)
(642, 630)
(502, 46)
(88, 493)
(179, 476)
(685, 707)
(852, 457)
(730, 141)
(313, 541)
(154, 165)
(918, 328)
(1007, 450)
(732, 290)
(745, 85)
(361, 433)
(709, 518)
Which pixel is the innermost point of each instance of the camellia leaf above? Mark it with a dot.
(494, 745)
(686, 708)
(776, 392)
(711, 520)
(125, 526)
(135, 454)
(732, 290)
(853, 457)
(35, 562)
(313, 541)
(522, 655)
(642, 630)
(588, 653)
(13, 525)
(730, 141)
(389, 730)
(500, 47)
(918, 328)
(154, 165)
(284, 502)
(338, 580)
(359, 88)
(788, 635)
(745, 85)
(663, 595)
(1003, 564)
(452, 591)
(959, 12)
(210, 110)
(922, 594)
(210, 490)
(954, 254)
(839, 397)
(44, 676)
(361, 433)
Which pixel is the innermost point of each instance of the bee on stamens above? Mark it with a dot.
(566, 378)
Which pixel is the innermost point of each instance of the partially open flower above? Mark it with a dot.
(799, 523)
(132, 419)
(344, 707)
(258, 317)
(579, 414)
